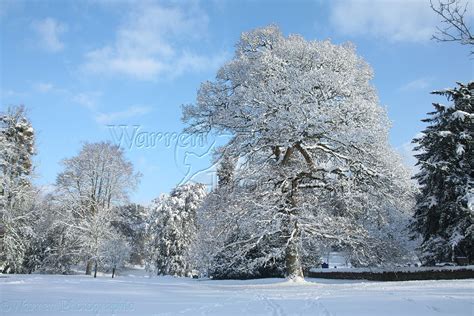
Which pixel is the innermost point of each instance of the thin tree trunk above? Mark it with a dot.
(95, 269)
(113, 272)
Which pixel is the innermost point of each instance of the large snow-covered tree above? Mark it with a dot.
(98, 177)
(306, 126)
(444, 210)
(17, 147)
(172, 229)
(91, 187)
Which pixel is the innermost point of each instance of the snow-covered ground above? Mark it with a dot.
(137, 294)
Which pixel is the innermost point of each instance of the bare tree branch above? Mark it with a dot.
(454, 27)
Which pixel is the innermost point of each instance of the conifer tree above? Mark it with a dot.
(17, 147)
(171, 230)
(444, 209)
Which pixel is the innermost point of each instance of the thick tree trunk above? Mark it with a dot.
(292, 254)
(88, 267)
(293, 260)
(95, 269)
(113, 272)
(5, 270)
(290, 228)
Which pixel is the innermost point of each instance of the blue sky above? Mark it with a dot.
(83, 66)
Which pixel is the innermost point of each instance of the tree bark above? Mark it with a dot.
(113, 272)
(88, 267)
(95, 269)
(5, 270)
(292, 261)
(292, 255)
(290, 227)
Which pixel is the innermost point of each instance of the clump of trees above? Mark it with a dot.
(86, 218)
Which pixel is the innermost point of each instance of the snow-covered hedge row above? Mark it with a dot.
(395, 274)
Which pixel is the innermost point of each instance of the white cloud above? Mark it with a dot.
(44, 87)
(111, 117)
(392, 20)
(148, 43)
(417, 84)
(192, 62)
(90, 101)
(87, 99)
(48, 87)
(109, 61)
(48, 32)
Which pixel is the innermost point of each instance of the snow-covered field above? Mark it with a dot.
(141, 295)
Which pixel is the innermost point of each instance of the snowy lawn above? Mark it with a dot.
(141, 295)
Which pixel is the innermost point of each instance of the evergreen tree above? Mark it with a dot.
(17, 146)
(131, 224)
(444, 209)
(172, 230)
